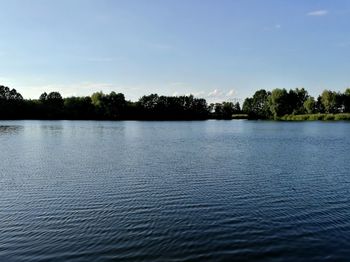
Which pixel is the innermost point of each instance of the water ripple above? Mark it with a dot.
(174, 191)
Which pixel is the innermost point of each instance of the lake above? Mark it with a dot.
(174, 191)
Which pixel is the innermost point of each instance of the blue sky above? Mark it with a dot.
(216, 49)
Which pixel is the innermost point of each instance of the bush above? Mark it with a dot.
(316, 117)
(342, 117)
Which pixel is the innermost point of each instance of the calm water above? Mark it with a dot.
(174, 191)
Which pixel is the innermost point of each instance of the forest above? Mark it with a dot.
(278, 104)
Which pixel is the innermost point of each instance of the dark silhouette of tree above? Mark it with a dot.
(7, 94)
(224, 110)
(279, 103)
(43, 97)
(79, 108)
(51, 105)
(11, 103)
(167, 107)
(109, 106)
(296, 99)
(347, 100)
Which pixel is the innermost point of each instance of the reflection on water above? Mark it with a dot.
(7, 129)
(53, 127)
(174, 191)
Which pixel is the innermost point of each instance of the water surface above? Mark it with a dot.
(174, 191)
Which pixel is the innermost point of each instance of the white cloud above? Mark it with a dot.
(199, 94)
(218, 95)
(318, 13)
(215, 93)
(231, 93)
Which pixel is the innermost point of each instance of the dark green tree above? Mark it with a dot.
(278, 102)
(258, 105)
(329, 101)
(79, 108)
(310, 105)
(296, 99)
(347, 100)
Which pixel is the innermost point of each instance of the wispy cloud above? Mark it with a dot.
(231, 93)
(218, 95)
(196, 94)
(215, 93)
(199, 94)
(318, 13)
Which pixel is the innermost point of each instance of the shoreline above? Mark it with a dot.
(286, 118)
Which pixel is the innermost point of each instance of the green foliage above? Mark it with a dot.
(108, 106)
(295, 104)
(258, 106)
(343, 116)
(296, 99)
(247, 106)
(171, 107)
(330, 101)
(79, 108)
(225, 110)
(278, 102)
(314, 117)
(310, 105)
(282, 102)
(240, 116)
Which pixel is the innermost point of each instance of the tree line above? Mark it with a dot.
(274, 104)
(280, 103)
(112, 106)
